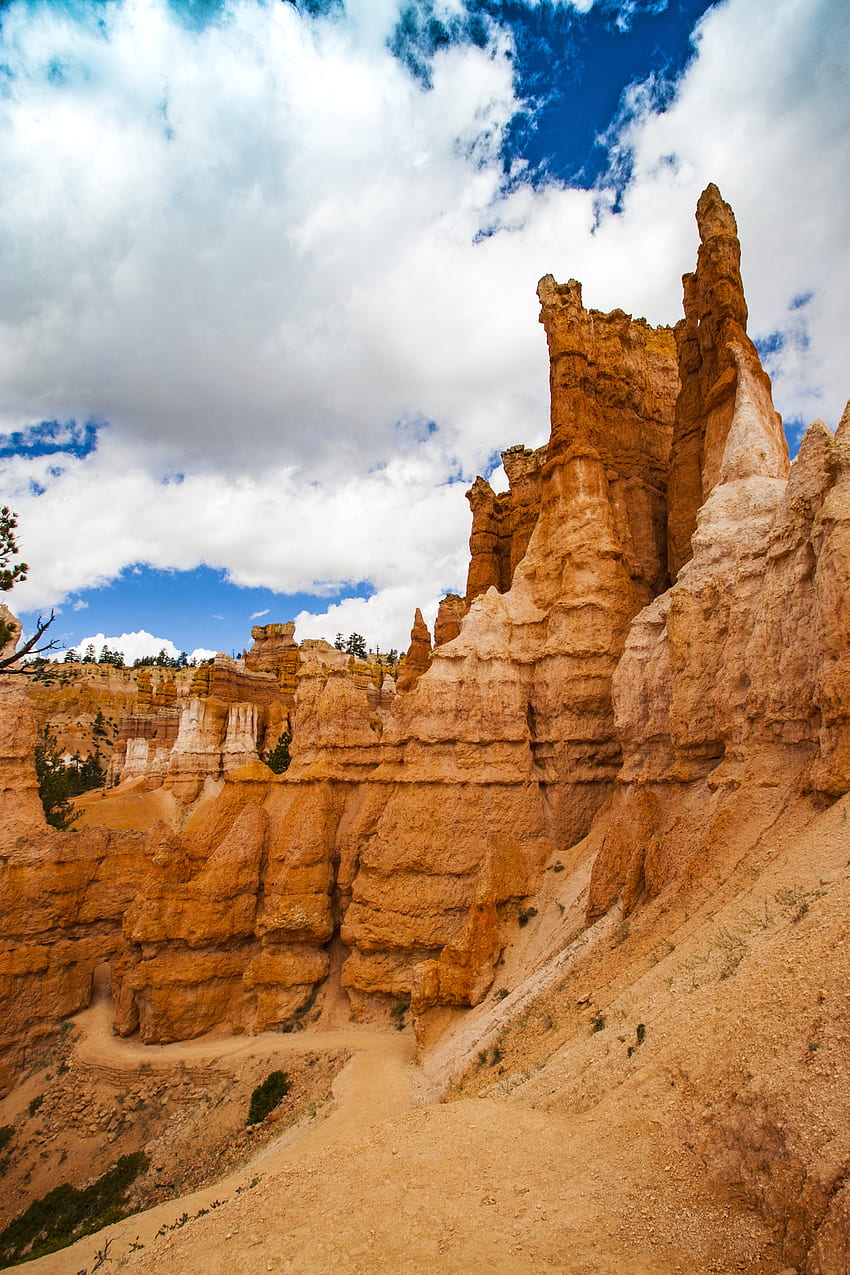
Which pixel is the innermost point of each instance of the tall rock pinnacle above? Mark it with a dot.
(726, 426)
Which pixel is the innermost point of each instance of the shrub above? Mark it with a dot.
(66, 1213)
(35, 1103)
(279, 759)
(525, 915)
(267, 1095)
(6, 1132)
(398, 1011)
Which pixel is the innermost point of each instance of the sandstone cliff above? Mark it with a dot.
(62, 898)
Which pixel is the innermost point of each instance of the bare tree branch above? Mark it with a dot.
(30, 647)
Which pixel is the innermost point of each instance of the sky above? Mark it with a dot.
(268, 273)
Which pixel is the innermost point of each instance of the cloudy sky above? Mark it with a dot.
(268, 271)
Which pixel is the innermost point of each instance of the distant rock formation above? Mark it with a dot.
(418, 657)
(502, 525)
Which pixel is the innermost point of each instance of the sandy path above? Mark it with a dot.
(374, 1086)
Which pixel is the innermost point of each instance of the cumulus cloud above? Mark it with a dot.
(135, 646)
(293, 281)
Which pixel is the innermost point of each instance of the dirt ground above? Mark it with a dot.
(665, 1094)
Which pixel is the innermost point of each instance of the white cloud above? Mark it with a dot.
(133, 645)
(258, 615)
(762, 111)
(270, 317)
(202, 653)
(80, 605)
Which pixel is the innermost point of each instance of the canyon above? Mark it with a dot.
(589, 839)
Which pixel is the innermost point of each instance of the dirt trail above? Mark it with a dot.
(374, 1086)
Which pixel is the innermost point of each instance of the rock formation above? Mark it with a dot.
(62, 899)
(573, 693)
(722, 381)
(418, 657)
(502, 525)
(449, 618)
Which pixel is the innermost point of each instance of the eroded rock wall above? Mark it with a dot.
(731, 698)
(62, 899)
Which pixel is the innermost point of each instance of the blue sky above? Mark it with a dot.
(268, 270)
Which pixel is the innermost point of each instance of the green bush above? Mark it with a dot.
(65, 1214)
(279, 759)
(267, 1095)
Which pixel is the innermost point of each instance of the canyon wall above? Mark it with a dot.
(62, 899)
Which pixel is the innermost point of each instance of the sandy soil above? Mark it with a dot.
(572, 1142)
(381, 1184)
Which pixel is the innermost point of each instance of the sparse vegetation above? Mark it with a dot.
(278, 759)
(399, 1012)
(525, 915)
(35, 1103)
(6, 1132)
(500, 994)
(597, 1023)
(59, 781)
(267, 1096)
(65, 1214)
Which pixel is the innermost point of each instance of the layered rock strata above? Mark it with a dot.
(62, 899)
(502, 524)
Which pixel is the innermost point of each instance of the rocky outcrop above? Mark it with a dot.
(62, 898)
(731, 697)
(450, 615)
(722, 380)
(275, 650)
(502, 525)
(227, 717)
(418, 657)
(575, 693)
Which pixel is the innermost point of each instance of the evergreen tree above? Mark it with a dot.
(278, 759)
(356, 645)
(54, 782)
(9, 575)
(59, 781)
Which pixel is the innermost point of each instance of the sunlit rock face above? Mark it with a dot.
(62, 898)
(731, 699)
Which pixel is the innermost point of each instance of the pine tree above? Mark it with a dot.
(278, 759)
(54, 782)
(356, 645)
